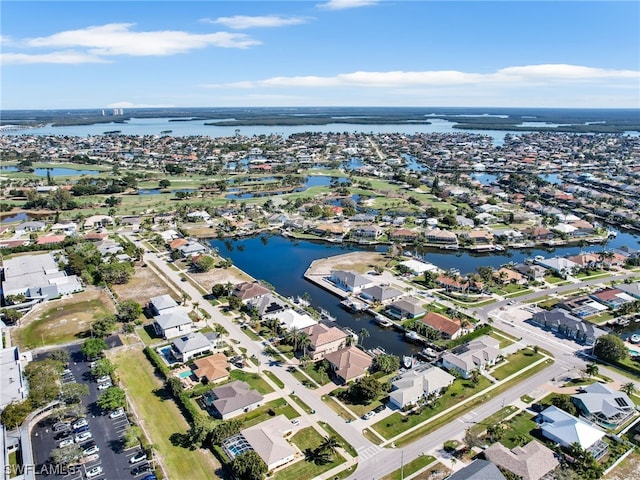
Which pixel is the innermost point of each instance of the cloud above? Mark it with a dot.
(344, 4)
(528, 74)
(119, 39)
(62, 57)
(241, 22)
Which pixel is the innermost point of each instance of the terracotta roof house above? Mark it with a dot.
(349, 363)
(349, 281)
(213, 368)
(451, 283)
(95, 236)
(177, 243)
(529, 462)
(267, 440)
(247, 291)
(560, 427)
(329, 229)
(233, 399)
(406, 308)
(448, 328)
(612, 297)
(539, 233)
(506, 275)
(403, 235)
(476, 355)
(587, 260)
(604, 406)
(324, 340)
(50, 239)
(478, 470)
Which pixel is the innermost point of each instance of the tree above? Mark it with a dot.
(164, 183)
(103, 367)
(92, 348)
(218, 290)
(132, 436)
(364, 333)
(385, 363)
(112, 399)
(15, 413)
(73, 392)
(248, 466)
(365, 389)
(128, 311)
(629, 388)
(60, 355)
(103, 326)
(304, 342)
(329, 445)
(225, 429)
(235, 303)
(199, 432)
(591, 370)
(66, 455)
(9, 315)
(115, 273)
(204, 263)
(44, 385)
(610, 348)
(563, 402)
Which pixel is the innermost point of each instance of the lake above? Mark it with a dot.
(54, 171)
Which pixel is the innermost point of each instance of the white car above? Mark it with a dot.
(138, 457)
(368, 415)
(295, 421)
(81, 422)
(94, 472)
(117, 413)
(104, 386)
(65, 443)
(104, 378)
(82, 437)
(90, 450)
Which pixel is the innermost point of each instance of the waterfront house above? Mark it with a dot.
(416, 384)
(447, 327)
(193, 344)
(233, 399)
(403, 235)
(192, 248)
(559, 265)
(564, 429)
(408, 307)
(349, 363)
(349, 281)
(563, 323)
(529, 462)
(507, 275)
(366, 232)
(441, 236)
(250, 291)
(450, 284)
(291, 319)
(97, 221)
(417, 267)
(479, 354)
(173, 324)
(538, 234)
(176, 243)
(587, 260)
(211, 369)
(603, 405)
(162, 304)
(29, 227)
(613, 298)
(267, 304)
(324, 340)
(330, 230)
(535, 273)
(380, 293)
(268, 440)
(582, 306)
(478, 236)
(478, 470)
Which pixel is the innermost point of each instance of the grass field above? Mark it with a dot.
(410, 468)
(254, 380)
(515, 363)
(63, 320)
(161, 418)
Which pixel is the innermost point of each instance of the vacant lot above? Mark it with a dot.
(144, 285)
(357, 261)
(63, 320)
(161, 418)
(220, 275)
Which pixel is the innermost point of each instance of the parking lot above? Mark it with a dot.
(99, 434)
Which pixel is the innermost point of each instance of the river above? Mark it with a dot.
(282, 262)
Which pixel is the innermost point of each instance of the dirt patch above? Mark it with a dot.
(629, 469)
(144, 285)
(360, 262)
(63, 320)
(220, 275)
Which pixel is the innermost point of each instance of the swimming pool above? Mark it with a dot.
(236, 445)
(186, 374)
(168, 356)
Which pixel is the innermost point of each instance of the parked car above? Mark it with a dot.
(295, 421)
(65, 443)
(84, 428)
(368, 415)
(81, 437)
(61, 426)
(138, 457)
(94, 472)
(90, 450)
(117, 413)
(151, 476)
(141, 469)
(104, 378)
(104, 386)
(81, 422)
(379, 408)
(63, 435)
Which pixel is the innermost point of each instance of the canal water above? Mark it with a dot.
(282, 262)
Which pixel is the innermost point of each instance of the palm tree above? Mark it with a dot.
(293, 337)
(304, 342)
(329, 445)
(591, 370)
(628, 388)
(364, 333)
(195, 309)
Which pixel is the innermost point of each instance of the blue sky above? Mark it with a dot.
(93, 54)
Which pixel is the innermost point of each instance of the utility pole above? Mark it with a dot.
(402, 466)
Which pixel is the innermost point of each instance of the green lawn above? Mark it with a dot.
(338, 408)
(516, 362)
(318, 374)
(303, 379)
(410, 468)
(521, 424)
(302, 405)
(279, 406)
(504, 342)
(162, 418)
(497, 417)
(254, 380)
(343, 443)
(273, 378)
(303, 469)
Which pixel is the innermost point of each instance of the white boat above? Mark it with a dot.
(325, 315)
(635, 338)
(382, 321)
(407, 361)
(413, 336)
(353, 305)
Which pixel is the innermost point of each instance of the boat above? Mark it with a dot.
(413, 336)
(382, 321)
(635, 338)
(164, 132)
(325, 315)
(353, 305)
(407, 361)
(428, 352)
(538, 258)
(112, 132)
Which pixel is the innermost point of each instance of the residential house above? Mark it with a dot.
(50, 239)
(603, 405)
(479, 355)
(408, 307)
(193, 344)
(363, 218)
(192, 248)
(349, 281)
(478, 236)
(632, 289)
(559, 265)
(529, 462)
(29, 227)
(291, 319)
(173, 324)
(108, 247)
(69, 228)
(267, 304)
(267, 439)
(563, 323)
(478, 470)
(97, 221)
(403, 235)
(349, 363)
(583, 228)
(162, 304)
(212, 369)
(417, 267)
(587, 260)
(250, 291)
(564, 429)
(233, 399)
(582, 306)
(534, 273)
(417, 384)
(176, 243)
(330, 230)
(380, 293)
(613, 298)
(324, 340)
(198, 216)
(450, 328)
(367, 232)
(441, 236)
(507, 275)
(538, 234)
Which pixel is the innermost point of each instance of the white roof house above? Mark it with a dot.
(13, 384)
(418, 268)
(173, 324)
(475, 355)
(190, 345)
(162, 304)
(291, 319)
(560, 427)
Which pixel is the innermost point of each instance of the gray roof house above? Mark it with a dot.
(562, 322)
(560, 427)
(162, 304)
(267, 304)
(193, 344)
(478, 470)
(233, 399)
(349, 281)
(267, 440)
(173, 324)
(604, 406)
(380, 293)
(192, 248)
(31, 226)
(530, 462)
(418, 383)
(409, 307)
(476, 355)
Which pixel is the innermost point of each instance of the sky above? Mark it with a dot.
(126, 54)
